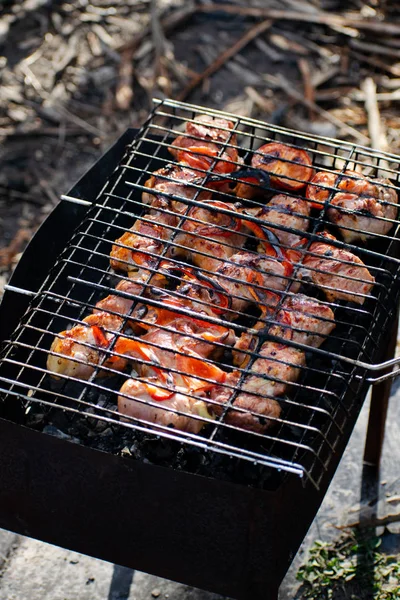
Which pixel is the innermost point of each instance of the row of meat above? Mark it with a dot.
(223, 257)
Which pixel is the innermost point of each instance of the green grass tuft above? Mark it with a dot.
(350, 568)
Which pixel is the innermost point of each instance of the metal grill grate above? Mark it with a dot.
(325, 396)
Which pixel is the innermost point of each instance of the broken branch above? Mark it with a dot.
(219, 62)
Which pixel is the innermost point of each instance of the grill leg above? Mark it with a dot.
(378, 410)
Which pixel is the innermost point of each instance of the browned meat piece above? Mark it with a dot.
(301, 319)
(287, 211)
(290, 168)
(82, 347)
(136, 248)
(339, 273)
(247, 403)
(212, 134)
(326, 183)
(178, 376)
(359, 217)
(122, 304)
(304, 320)
(277, 367)
(177, 181)
(251, 277)
(208, 236)
(213, 129)
(147, 401)
(247, 278)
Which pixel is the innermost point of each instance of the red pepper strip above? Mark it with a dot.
(158, 393)
(127, 346)
(139, 257)
(206, 335)
(206, 150)
(316, 205)
(259, 232)
(191, 156)
(256, 277)
(99, 337)
(282, 254)
(294, 254)
(193, 160)
(195, 367)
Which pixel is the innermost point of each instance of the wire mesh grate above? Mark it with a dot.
(197, 278)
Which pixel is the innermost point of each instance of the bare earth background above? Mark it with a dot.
(75, 74)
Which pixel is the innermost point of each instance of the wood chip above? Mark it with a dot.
(309, 92)
(375, 49)
(284, 43)
(124, 89)
(375, 124)
(265, 104)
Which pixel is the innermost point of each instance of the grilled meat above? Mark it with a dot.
(204, 145)
(179, 336)
(301, 319)
(173, 373)
(139, 247)
(360, 207)
(173, 353)
(82, 347)
(208, 236)
(304, 320)
(146, 401)
(122, 305)
(289, 168)
(286, 211)
(339, 273)
(325, 184)
(360, 217)
(276, 368)
(177, 181)
(247, 278)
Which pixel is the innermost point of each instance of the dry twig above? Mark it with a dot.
(323, 18)
(309, 92)
(375, 125)
(376, 62)
(219, 62)
(124, 89)
(287, 87)
(373, 521)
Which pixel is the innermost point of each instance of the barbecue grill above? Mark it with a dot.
(224, 509)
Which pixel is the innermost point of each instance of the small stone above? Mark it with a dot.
(156, 593)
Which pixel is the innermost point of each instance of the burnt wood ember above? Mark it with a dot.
(197, 341)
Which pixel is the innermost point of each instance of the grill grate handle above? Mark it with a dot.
(380, 367)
